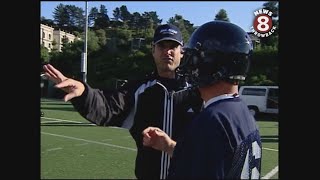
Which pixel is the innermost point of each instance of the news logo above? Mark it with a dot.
(262, 23)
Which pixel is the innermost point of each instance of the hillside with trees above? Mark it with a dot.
(119, 47)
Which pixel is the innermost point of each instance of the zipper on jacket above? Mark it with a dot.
(167, 128)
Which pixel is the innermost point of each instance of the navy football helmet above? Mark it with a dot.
(217, 50)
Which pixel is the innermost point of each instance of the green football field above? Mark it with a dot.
(73, 148)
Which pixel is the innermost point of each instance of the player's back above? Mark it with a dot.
(217, 143)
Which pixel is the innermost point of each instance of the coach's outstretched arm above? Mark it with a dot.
(72, 87)
(97, 106)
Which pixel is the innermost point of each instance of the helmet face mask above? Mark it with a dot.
(217, 50)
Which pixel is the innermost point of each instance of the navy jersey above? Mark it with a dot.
(223, 141)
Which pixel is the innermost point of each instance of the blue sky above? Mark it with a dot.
(197, 12)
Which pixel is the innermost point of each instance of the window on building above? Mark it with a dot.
(65, 39)
(49, 45)
(49, 36)
(43, 35)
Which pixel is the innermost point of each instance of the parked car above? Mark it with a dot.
(260, 99)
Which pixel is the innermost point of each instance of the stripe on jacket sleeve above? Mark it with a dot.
(128, 122)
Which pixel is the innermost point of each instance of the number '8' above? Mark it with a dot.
(263, 23)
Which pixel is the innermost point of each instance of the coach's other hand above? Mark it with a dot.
(158, 139)
(72, 87)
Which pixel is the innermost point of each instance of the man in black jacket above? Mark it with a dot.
(223, 141)
(158, 100)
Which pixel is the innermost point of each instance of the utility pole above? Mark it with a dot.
(84, 54)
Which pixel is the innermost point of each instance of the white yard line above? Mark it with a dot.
(90, 141)
(50, 121)
(270, 149)
(274, 170)
(271, 173)
(54, 149)
(63, 120)
(55, 102)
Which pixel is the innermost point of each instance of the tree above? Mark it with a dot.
(222, 15)
(260, 80)
(102, 39)
(44, 54)
(92, 16)
(134, 22)
(69, 17)
(155, 18)
(185, 26)
(54, 46)
(48, 22)
(273, 7)
(116, 14)
(124, 13)
(77, 18)
(102, 20)
(61, 16)
(147, 23)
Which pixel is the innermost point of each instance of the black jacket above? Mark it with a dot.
(154, 101)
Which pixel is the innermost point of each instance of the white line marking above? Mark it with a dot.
(54, 149)
(274, 170)
(271, 173)
(63, 120)
(49, 121)
(55, 102)
(115, 127)
(270, 149)
(95, 142)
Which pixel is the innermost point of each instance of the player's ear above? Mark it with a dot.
(181, 51)
(152, 47)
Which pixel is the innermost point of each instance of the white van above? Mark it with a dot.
(260, 99)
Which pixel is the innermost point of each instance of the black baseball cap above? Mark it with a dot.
(167, 32)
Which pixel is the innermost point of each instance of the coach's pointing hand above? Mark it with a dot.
(72, 87)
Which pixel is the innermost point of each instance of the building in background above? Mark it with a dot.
(51, 38)
(46, 36)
